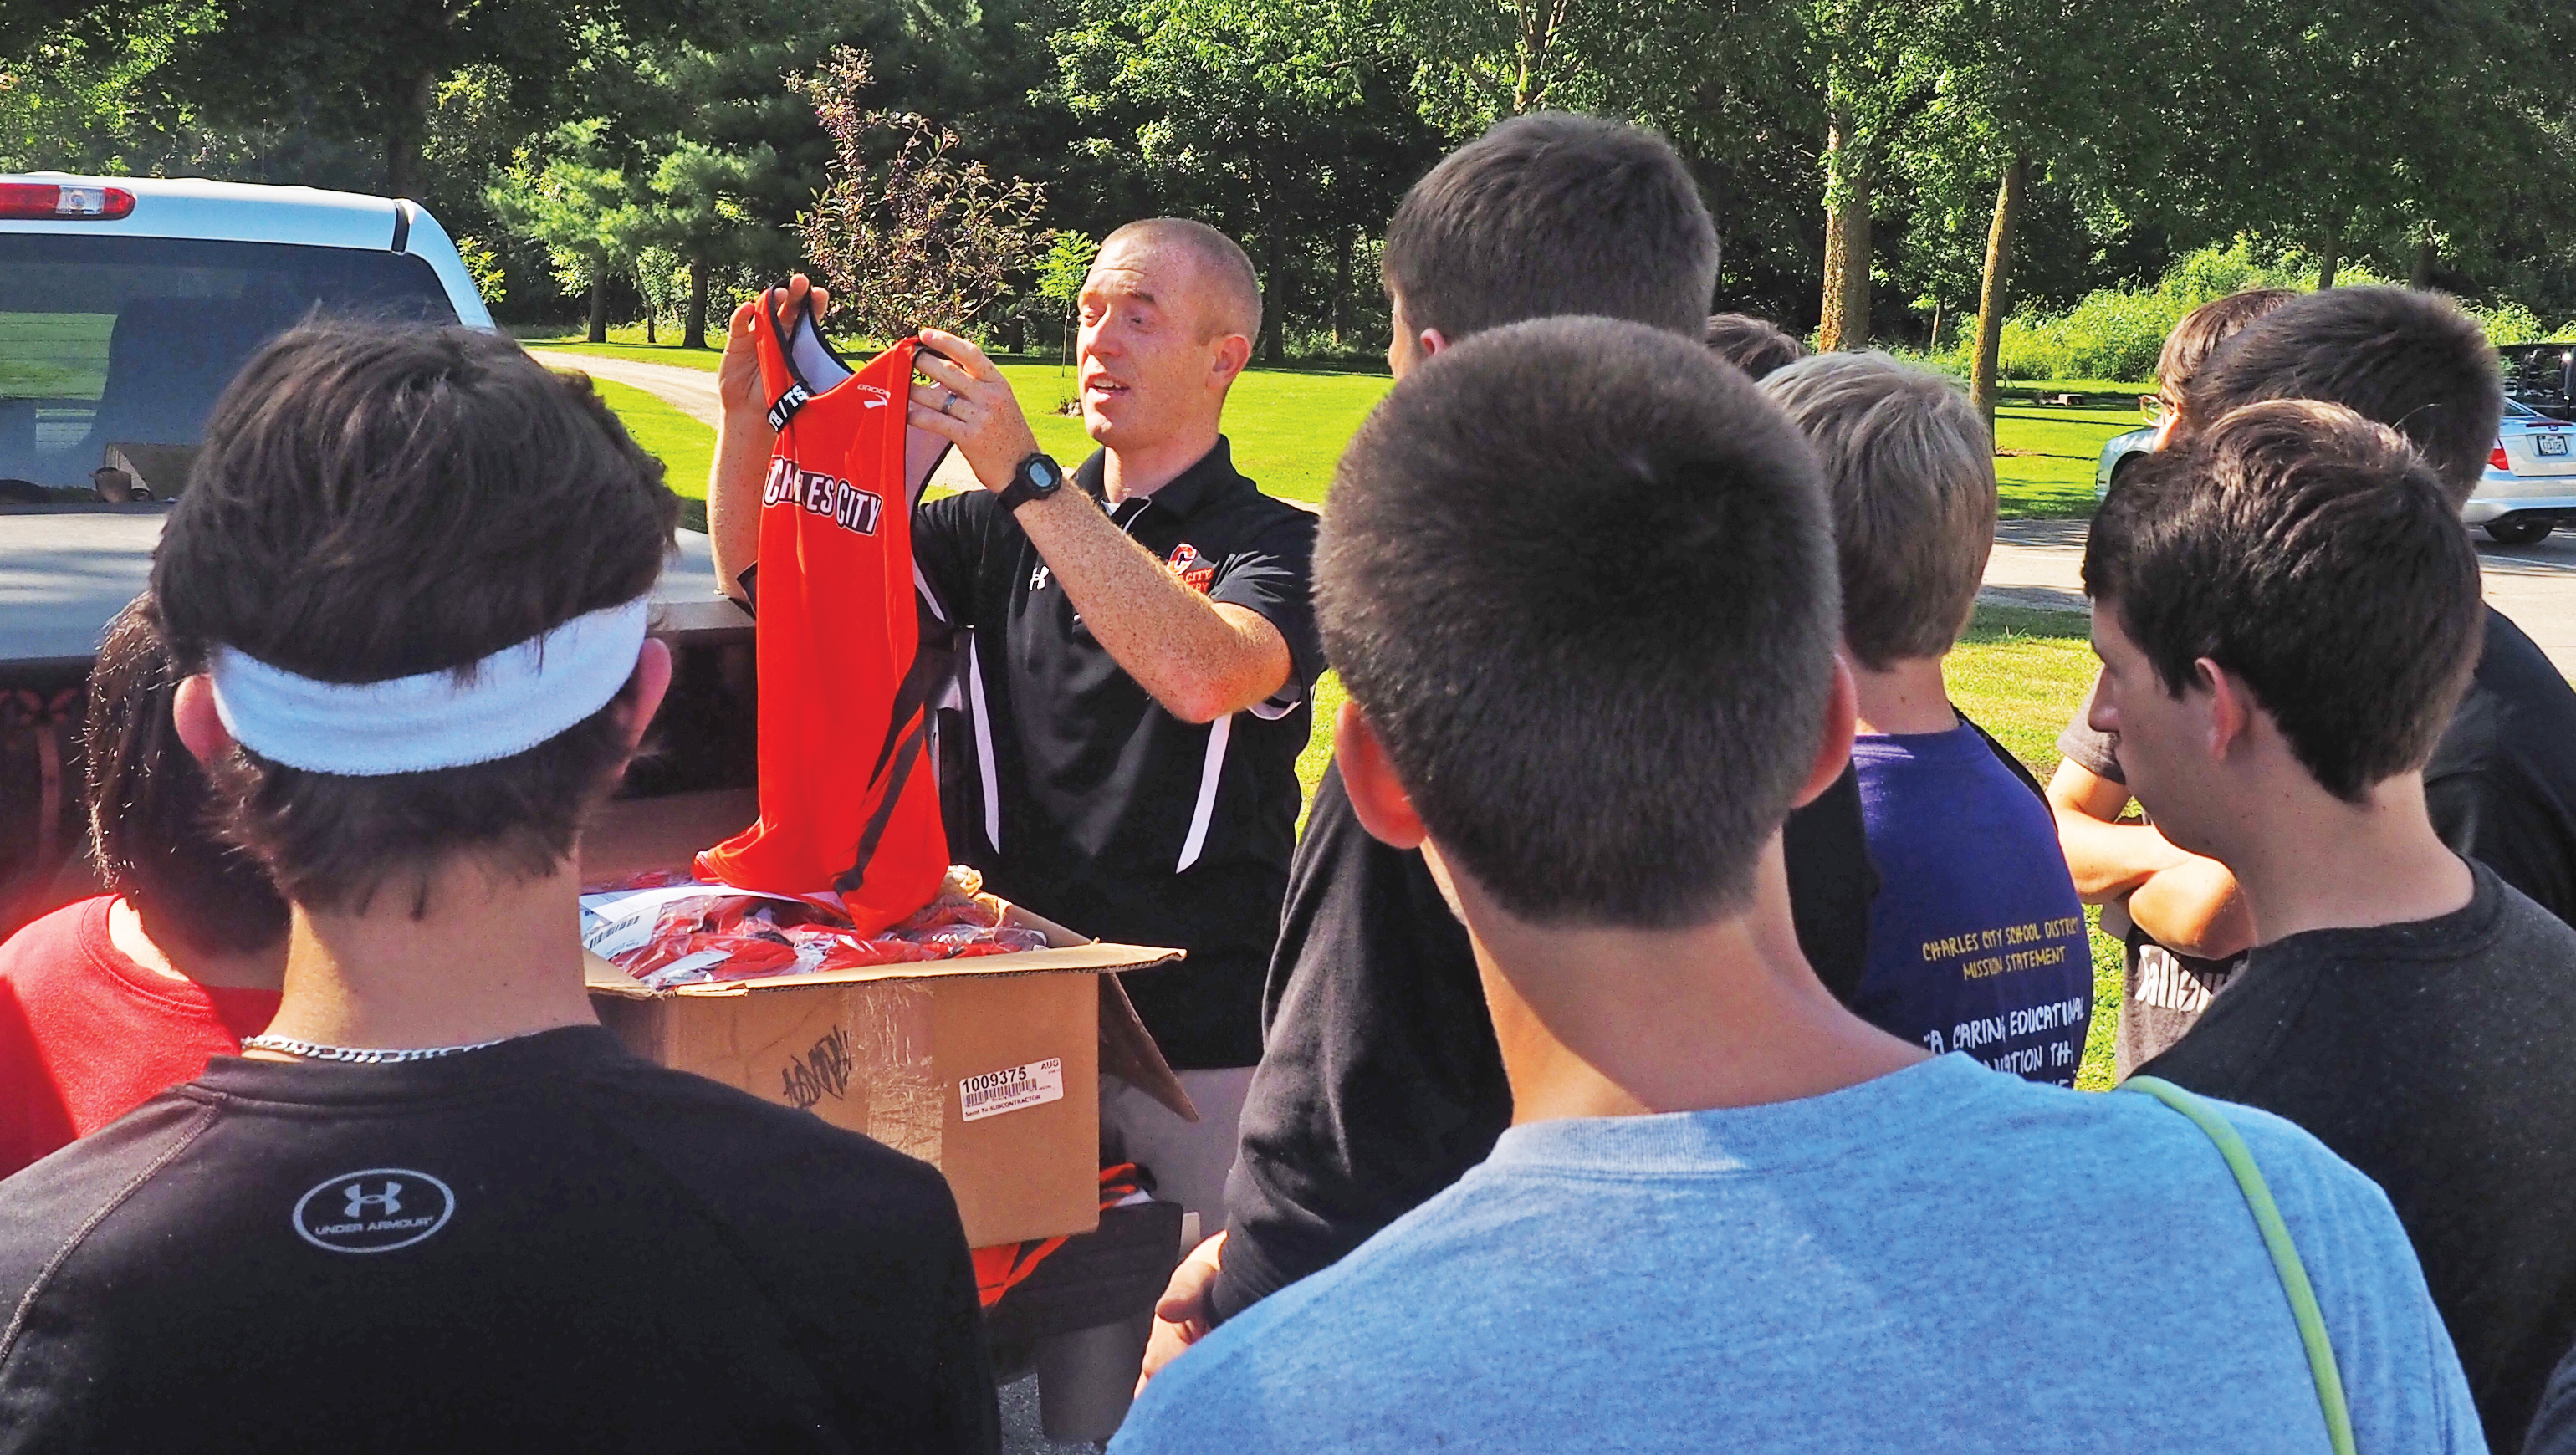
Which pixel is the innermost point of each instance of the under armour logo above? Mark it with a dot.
(1038, 579)
(389, 1201)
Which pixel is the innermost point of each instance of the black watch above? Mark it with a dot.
(1034, 478)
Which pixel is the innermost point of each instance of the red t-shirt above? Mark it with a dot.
(87, 1035)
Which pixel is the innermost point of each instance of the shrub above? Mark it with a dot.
(2507, 323)
(2117, 333)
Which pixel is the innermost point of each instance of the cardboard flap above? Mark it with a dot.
(600, 977)
(1128, 1052)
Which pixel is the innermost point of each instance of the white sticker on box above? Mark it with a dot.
(1013, 1088)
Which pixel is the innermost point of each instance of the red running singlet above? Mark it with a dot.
(849, 799)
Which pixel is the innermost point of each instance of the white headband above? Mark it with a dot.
(498, 707)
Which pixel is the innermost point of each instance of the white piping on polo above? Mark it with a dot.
(984, 744)
(929, 598)
(1219, 732)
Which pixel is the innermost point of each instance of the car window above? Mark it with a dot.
(2538, 375)
(114, 349)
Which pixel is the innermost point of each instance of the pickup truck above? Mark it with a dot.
(126, 306)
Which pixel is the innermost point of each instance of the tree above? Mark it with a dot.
(269, 60)
(2378, 122)
(1288, 123)
(909, 233)
(1873, 78)
(1061, 274)
(581, 206)
(701, 210)
(2023, 90)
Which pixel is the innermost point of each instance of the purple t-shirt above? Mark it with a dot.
(1976, 939)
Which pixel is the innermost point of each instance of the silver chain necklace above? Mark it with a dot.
(361, 1055)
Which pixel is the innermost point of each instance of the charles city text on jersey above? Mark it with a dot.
(854, 508)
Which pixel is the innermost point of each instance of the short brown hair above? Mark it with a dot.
(2412, 361)
(2314, 554)
(1910, 471)
(374, 503)
(149, 803)
(2203, 331)
(1554, 213)
(1578, 575)
(1226, 264)
(1756, 345)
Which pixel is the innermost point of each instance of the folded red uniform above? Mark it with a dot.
(1005, 1266)
(849, 800)
(690, 959)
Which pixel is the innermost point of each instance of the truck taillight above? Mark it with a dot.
(2497, 460)
(74, 202)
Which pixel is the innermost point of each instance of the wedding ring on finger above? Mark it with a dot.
(948, 406)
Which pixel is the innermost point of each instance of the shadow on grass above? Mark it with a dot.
(2043, 500)
(2000, 625)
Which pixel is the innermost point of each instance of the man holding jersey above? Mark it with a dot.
(1138, 653)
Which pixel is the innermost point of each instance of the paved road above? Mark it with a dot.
(693, 393)
(2039, 563)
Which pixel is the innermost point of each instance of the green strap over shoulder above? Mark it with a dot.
(2276, 1238)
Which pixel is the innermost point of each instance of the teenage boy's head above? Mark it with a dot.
(2201, 334)
(388, 508)
(1911, 478)
(2412, 361)
(1548, 214)
(1578, 579)
(1756, 345)
(148, 803)
(2290, 598)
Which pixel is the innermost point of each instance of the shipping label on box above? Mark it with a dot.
(1011, 1089)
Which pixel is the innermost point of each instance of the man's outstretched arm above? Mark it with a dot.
(1200, 659)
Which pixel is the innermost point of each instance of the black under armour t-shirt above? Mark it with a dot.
(547, 1245)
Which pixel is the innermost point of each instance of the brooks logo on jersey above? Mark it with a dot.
(853, 508)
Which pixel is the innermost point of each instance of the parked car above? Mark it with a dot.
(126, 306)
(2528, 490)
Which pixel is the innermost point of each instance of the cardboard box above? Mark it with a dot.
(986, 1068)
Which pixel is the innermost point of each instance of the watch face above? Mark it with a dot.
(1042, 475)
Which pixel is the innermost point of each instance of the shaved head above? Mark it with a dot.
(1225, 291)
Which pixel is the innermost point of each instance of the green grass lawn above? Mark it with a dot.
(1289, 425)
(686, 448)
(54, 355)
(2046, 455)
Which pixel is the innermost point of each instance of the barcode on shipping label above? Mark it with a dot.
(1013, 1088)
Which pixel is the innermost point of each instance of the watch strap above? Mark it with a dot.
(1022, 490)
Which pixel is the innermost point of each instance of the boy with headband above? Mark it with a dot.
(435, 1205)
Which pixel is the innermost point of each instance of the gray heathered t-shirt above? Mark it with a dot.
(1915, 1263)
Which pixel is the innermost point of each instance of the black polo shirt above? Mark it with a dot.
(1074, 791)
